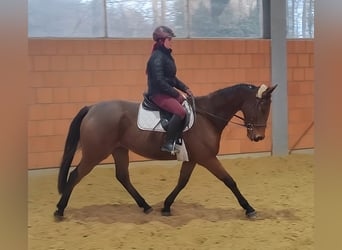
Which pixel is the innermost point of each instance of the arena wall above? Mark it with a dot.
(67, 74)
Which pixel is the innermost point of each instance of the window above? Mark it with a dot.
(137, 18)
(66, 18)
(226, 18)
(300, 18)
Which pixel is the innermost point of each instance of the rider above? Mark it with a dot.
(162, 84)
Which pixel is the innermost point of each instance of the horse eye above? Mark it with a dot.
(262, 102)
(262, 105)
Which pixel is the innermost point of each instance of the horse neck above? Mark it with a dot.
(221, 106)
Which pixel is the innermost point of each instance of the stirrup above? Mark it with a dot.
(170, 147)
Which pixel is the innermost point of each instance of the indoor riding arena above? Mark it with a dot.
(83, 52)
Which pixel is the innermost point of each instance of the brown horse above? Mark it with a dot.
(110, 128)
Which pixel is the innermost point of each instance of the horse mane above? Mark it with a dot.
(230, 89)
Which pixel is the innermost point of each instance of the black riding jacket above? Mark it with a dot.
(161, 74)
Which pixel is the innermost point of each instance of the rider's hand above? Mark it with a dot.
(180, 98)
(188, 92)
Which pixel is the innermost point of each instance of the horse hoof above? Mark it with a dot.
(251, 215)
(58, 216)
(165, 212)
(148, 210)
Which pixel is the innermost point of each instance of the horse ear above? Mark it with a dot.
(267, 93)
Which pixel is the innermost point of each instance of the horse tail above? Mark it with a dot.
(70, 148)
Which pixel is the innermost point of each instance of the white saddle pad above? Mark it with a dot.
(150, 120)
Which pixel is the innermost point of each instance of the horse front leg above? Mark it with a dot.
(216, 168)
(122, 175)
(184, 176)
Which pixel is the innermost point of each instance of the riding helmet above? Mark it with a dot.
(162, 32)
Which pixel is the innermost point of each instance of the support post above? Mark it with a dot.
(279, 76)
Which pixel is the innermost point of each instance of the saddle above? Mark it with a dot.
(150, 113)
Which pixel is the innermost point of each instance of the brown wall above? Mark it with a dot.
(68, 74)
(300, 63)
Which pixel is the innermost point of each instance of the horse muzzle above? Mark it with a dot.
(257, 138)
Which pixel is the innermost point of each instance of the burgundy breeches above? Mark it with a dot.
(169, 104)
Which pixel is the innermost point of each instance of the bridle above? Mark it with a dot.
(248, 125)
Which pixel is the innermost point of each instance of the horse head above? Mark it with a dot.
(256, 111)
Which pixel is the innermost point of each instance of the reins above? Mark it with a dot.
(221, 118)
(242, 119)
(248, 125)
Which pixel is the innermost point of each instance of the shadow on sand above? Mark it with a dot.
(182, 214)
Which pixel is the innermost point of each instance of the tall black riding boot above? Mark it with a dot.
(174, 127)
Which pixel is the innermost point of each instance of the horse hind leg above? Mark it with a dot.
(75, 177)
(122, 175)
(63, 201)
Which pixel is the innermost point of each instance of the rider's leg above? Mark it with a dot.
(175, 124)
(172, 133)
